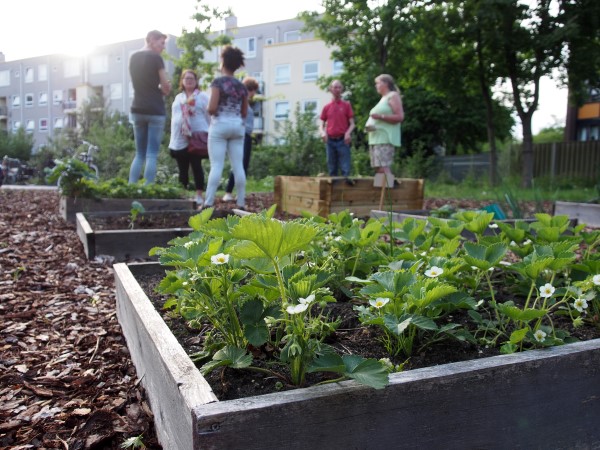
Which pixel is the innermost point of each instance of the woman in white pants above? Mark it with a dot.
(228, 107)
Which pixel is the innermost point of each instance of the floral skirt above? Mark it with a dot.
(382, 155)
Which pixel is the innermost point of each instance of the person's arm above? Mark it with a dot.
(213, 103)
(165, 84)
(395, 103)
(322, 129)
(348, 134)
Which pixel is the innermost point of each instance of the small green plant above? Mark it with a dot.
(72, 177)
(134, 442)
(251, 279)
(136, 209)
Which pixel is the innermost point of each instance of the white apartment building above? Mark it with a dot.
(43, 94)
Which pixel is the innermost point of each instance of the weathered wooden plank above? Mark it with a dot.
(588, 213)
(491, 403)
(69, 206)
(173, 384)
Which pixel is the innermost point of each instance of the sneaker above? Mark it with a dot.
(228, 197)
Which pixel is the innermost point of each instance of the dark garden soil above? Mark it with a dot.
(66, 377)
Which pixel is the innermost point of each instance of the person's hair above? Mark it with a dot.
(250, 83)
(232, 57)
(155, 35)
(183, 74)
(389, 80)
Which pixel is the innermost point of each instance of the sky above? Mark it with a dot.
(40, 27)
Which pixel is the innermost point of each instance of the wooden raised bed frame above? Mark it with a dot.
(325, 195)
(539, 399)
(588, 213)
(69, 207)
(124, 244)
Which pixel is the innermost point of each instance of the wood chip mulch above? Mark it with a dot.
(66, 377)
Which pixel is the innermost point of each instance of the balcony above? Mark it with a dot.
(69, 105)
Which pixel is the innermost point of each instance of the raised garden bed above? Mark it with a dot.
(107, 233)
(325, 195)
(69, 206)
(588, 213)
(498, 402)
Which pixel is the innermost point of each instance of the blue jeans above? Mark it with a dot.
(148, 132)
(338, 157)
(226, 137)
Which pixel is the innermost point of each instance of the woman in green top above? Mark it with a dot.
(384, 124)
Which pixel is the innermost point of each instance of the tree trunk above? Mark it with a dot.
(527, 153)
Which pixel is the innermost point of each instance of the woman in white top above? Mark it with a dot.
(188, 113)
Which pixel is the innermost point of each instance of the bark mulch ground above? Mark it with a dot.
(66, 377)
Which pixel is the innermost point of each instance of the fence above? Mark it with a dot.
(559, 159)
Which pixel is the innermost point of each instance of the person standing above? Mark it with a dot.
(148, 115)
(383, 125)
(188, 113)
(252, 87)
(337, 123)
(228, 107)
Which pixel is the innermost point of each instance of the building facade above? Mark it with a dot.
(43, 94)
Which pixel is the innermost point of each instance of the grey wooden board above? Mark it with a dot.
(588, 213)
(172, 382)
(124, 244)
(538, 399)
(541, 399)
(68, 206)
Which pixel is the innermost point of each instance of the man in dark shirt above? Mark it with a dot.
(148, 115)
(337, 123)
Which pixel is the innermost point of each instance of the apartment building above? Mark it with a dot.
(43, 94)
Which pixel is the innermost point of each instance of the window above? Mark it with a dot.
(247, 45)
(251, 48)
(282, 110)
(311, 105)
(258, 76)
(30, 125)
(338, 67)
(116, 91)
(58, 123)
(43, 125)
(29, 75)
(269, 41)
(4, 77)
(71, 68)
(290, 36)
(42, 72)
(16, 125)
(282, 73)
(57, 97)
(311, 71)
(99, 64)
(16, 102)
(28, 99)
(43, 99)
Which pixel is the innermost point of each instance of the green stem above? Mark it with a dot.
(356, 261)
(529, 295)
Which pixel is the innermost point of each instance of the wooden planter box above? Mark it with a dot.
(538, 399)
(124, 244)
(325, 195)
(69, 206)
(588, 213)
